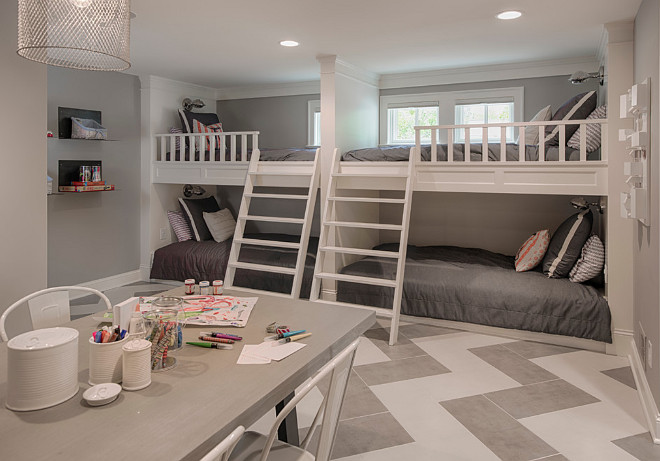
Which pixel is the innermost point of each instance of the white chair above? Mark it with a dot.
(257, 447)
(222, 450)
(49, 307)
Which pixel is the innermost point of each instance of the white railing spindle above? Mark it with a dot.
(484, 144)
(434, 145)
(244, 147)
(583, 143)
(466, 146)
(450, 146)
(503, 144)
(562, 143)
(522, 144)
(232, 141)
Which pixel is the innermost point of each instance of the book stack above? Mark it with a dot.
(87, 186)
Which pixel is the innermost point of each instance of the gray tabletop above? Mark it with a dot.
(187, 410)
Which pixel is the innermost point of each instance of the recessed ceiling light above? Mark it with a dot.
(289, 43)
(509, 14)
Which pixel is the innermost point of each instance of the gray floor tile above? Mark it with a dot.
(404, 348)
(359, 399)
(536, 399)
(89, 299)
(512, 364)
(502, 434)
(368, 433)
(134, 284)
(623, 375)
(555, 458)
(400, 370)
(147, 293)
(640, 446)
(418, 330)
(532, 350)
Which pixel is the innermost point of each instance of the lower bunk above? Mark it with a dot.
(481, 287)
(207, 260)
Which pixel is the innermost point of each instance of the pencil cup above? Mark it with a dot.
(164, 333)
(136, 364)
(105, 362)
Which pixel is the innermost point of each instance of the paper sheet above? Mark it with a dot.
(267, 351)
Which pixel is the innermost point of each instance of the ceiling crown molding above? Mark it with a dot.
(530, 69)
(269, 90)
(154, 82)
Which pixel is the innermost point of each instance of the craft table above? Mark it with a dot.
(187, 410)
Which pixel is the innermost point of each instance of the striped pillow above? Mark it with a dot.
(177, 140)
(532, 251)
(593, 131)
(576, 108)
(566, 244)
(179, 225)
(199, 127)
(591, 262)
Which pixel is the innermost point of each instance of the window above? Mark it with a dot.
(481, 113)
(314, 123)
(401, 122)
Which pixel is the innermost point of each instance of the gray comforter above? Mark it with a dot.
(207, 260)
(401, 153)
(478, 286)
(268, 155)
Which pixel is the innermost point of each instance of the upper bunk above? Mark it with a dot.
(569, 158)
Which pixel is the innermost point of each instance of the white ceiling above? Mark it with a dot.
(221, 44)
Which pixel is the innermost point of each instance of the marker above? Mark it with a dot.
(216, 334)
(214, 339)
(290, 333)
(210, 345)
(293, 338)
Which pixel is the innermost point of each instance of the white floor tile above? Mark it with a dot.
(367, 353)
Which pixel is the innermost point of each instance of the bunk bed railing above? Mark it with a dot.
(497, 134)
(226, 147)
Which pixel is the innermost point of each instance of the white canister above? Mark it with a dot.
(42, 368)
(204, 288)
(136, 364)
(105, 361)
(217, 287)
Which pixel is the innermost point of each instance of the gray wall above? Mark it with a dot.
(281, 120)
(97, 234)
(539, 92)
(646, 254)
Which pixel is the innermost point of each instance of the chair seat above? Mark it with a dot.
(251, 445)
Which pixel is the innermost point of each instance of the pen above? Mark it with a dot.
(214, 339)
(209, 345)
(293, 338)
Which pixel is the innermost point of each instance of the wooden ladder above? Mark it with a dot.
(330, 224)
(275, 175)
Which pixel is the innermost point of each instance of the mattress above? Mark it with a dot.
(267, 155)
(401, 153)
(207, 260)
(478, 286)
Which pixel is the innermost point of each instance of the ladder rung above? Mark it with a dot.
(369, 175)
(365, 225)
(263, 268)
(279, 173)
(278, 196)
(358, 279)
(367, 199)
(273, 219)
(362, 251)
(268, 243)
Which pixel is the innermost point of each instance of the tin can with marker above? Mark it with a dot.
(217, 287)
(96, 173)
(85, 173)
(190, 286)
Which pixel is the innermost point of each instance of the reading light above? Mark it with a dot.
(289, 43)
(581, 76)
(581, 204)
(189, 104)
(509, 15)
(190, 190)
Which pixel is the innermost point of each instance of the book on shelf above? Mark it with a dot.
(86, 188)
(88, 183)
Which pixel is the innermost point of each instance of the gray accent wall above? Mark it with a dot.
(646, 269)
(539, 92)
(95, 235)
(281, 120)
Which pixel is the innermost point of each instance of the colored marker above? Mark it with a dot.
(214, 339)
(210, 345)
(290, 333)
(293, 338)
(216, 334)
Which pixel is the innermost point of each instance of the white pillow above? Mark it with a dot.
(532, 132)
(221, 224)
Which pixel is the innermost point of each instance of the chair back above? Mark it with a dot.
(339, 370)
(222, 450)
(49, 307)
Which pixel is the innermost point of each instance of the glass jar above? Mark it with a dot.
(164, 330)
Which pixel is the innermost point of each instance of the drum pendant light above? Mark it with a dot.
(80, 34)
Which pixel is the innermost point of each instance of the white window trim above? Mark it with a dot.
(313, 107)
(446, 101)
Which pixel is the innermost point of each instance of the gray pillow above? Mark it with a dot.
(591, 262)
(207, 118)
(193, 209)
(566, 244)
(221, 224)
(577, 108)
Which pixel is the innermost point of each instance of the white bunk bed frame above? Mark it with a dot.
(522, 176)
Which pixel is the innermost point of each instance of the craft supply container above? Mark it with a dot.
(105, 361)
(42, 368)
(164, 332)
(136, 364)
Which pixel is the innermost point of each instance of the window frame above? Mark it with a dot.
(473, 139)
(313, 108)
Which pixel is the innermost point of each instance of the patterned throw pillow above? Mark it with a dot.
(193, 209)
(177, 140)
(532, 251)
(593, 131)
(591, 262)
(179, 225)
(199, 127)
(566, 244)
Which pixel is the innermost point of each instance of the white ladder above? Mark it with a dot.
(387, 181)
(283, 175)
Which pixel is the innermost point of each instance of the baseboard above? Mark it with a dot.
(108, 283)
(621, 342)
(649, 406)
(145, 271)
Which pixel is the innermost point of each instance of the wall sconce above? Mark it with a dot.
(189, 104)
(581, 76)
(581, 204)
(190, 190)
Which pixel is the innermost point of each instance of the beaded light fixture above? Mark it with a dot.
(80, 34)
